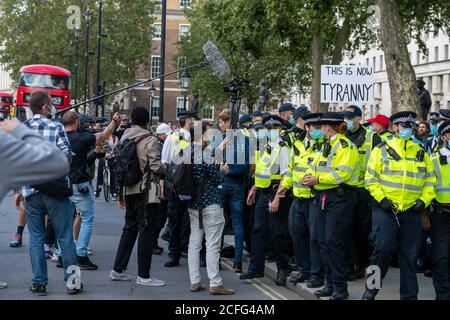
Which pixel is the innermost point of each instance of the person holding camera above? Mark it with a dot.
(83, 193)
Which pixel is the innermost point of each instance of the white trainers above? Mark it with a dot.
(55, 256)
(151, 282)
(116, 276)
(3, 285)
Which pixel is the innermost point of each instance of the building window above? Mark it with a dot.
(157, 31)
(425, 58)
(440, 84)
(417, 57)
(155, 108)
(446, 57)
(184, 30)
(180, 104)
(185, 3)
(155, 66)
(208, 112)
(381, 62)
(436, 54)
(374, 62)
(367, 61)
(181, 63)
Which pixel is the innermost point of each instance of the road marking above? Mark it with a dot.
(259, 285)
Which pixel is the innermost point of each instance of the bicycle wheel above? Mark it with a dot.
(106, 186)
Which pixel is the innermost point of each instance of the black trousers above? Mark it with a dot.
(440, 223)
(270, 228)
(141, 224)
(333, 228)
(359, 248)
(162, 221)
(180, 228)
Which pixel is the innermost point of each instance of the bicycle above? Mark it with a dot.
(107, 178)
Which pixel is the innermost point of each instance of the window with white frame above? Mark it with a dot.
(183, 30)
(208, 112)
(185, 3)
(157, 31)
(181, 104)
(158, 4)
(446, 52)
(155, 66)
(155, 107)
(436, 54)
(181, 63)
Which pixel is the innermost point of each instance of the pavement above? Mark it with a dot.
(15, 268)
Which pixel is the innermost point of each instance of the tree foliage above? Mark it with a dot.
(35, 31)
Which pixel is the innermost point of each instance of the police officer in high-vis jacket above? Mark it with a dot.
(301, 221)
(440, 217)
(359, 249)
(334, 174)
(271, 215)
(401, 180)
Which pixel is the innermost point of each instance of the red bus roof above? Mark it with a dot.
(6, 94)
(46, 69)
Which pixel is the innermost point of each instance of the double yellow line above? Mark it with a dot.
(265, 289)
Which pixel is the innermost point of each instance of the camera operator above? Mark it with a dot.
(83, 193)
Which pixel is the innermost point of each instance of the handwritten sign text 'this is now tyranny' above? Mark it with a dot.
(346, 84)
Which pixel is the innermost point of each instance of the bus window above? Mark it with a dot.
(37, 80)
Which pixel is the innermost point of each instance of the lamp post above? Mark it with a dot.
(77, 37)
(134, 97)
(185, 82)
(87, 16)
(100, 90)
(151, 93)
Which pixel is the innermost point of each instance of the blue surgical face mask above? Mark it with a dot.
(260, 134)
(316, 134)
(350, 124)
(448, 144)
(435, 130)
(211, 140)
(273, 135)
(292, 120)
(405, 133)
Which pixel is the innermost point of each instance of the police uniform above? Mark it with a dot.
(177, 209)
(287, 133)
(359, 248)
(440, 219)
(383, 121)
(401, 180)
(337, 170)
(271, 165)
(301, 222)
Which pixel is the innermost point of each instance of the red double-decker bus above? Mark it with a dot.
(53, 79)
(6, 104)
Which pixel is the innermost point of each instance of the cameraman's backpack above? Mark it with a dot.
(128, 170)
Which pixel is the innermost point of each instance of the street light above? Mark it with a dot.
(87, 16)
(134, 97)
(185, 82)
(151, 93)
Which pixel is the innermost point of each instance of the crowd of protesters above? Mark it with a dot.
(324, 195)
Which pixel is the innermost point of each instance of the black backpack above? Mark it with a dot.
(128, 170)
(179, 180)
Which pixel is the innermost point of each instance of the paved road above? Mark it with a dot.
(15, 268)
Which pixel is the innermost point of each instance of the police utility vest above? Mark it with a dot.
(337, 164)
(267, 167)
(402, 172)
(364, 144)
(442, 169)
(302, 156)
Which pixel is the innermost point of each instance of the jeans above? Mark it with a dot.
(387, 235)
(60, 211)
(141, 222)
(213, 224)
(333, 229)
(85, 204)
(270, 228)
(232, 194)
(440, 223)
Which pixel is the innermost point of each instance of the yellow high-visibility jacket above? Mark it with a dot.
(402, 181)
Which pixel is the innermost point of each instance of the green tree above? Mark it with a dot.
(35, 31)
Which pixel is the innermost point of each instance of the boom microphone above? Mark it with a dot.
(216, 60)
